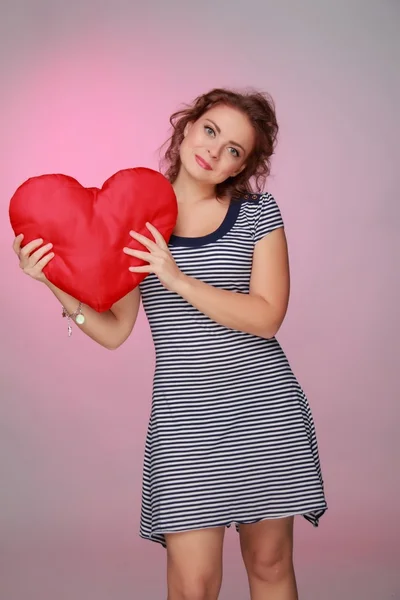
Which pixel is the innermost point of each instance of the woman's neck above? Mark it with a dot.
(188, 190)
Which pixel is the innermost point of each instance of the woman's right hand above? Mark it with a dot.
(109, 328)
(33, 257)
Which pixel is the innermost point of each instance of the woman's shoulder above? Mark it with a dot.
(260, 212)
(253, 199)
(256, 205)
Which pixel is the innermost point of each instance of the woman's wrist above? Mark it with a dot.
(47, 282)
(183, 284)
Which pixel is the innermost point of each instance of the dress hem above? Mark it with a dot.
(312, 517)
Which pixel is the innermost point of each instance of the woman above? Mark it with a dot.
(231, 438)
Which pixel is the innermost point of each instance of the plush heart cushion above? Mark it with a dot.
(89, 228)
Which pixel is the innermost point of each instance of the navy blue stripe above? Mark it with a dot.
(231, 438)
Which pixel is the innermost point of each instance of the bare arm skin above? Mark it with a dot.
(110, 328)
(260, 312)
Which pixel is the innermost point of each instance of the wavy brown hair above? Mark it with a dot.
(260, 110)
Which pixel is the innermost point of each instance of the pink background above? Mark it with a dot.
(87, 89)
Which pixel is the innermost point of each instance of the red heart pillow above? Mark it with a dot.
(89, 228)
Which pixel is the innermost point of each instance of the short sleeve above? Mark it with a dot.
(268, 217)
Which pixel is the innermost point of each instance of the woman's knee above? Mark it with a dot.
(194, 588)
(194, 561)
(267, 549)
(270, 565)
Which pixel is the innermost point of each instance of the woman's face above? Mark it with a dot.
(217, 145)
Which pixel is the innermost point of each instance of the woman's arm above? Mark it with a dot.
(110, 328)
(261, 312)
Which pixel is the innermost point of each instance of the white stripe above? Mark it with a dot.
(231, 437)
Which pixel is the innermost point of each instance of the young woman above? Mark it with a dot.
(231, 438)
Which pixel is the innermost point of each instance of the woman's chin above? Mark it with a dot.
(199, 174)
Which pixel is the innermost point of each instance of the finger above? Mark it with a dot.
(157, 235)
(144, 269)
(26, 250)
(36, 256)
(17, 243)
(139, 254)
(143, 240)
(43, 262)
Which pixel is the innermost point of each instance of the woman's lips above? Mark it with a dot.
(200, 161)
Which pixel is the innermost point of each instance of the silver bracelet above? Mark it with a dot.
(78, 317)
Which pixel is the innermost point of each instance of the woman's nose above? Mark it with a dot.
(214, 150)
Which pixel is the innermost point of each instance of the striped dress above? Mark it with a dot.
(231, 438)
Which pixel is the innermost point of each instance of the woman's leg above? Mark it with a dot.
(267, 550)
(194, 564)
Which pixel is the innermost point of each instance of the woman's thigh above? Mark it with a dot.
(194, 563)
(267, 545)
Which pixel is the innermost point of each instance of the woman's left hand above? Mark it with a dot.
(160, 259)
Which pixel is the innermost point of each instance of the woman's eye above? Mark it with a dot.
(234, 152)
(209, 130)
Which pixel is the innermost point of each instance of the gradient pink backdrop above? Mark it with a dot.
(87, 89)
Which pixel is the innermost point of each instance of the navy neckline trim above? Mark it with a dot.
(226, 225)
